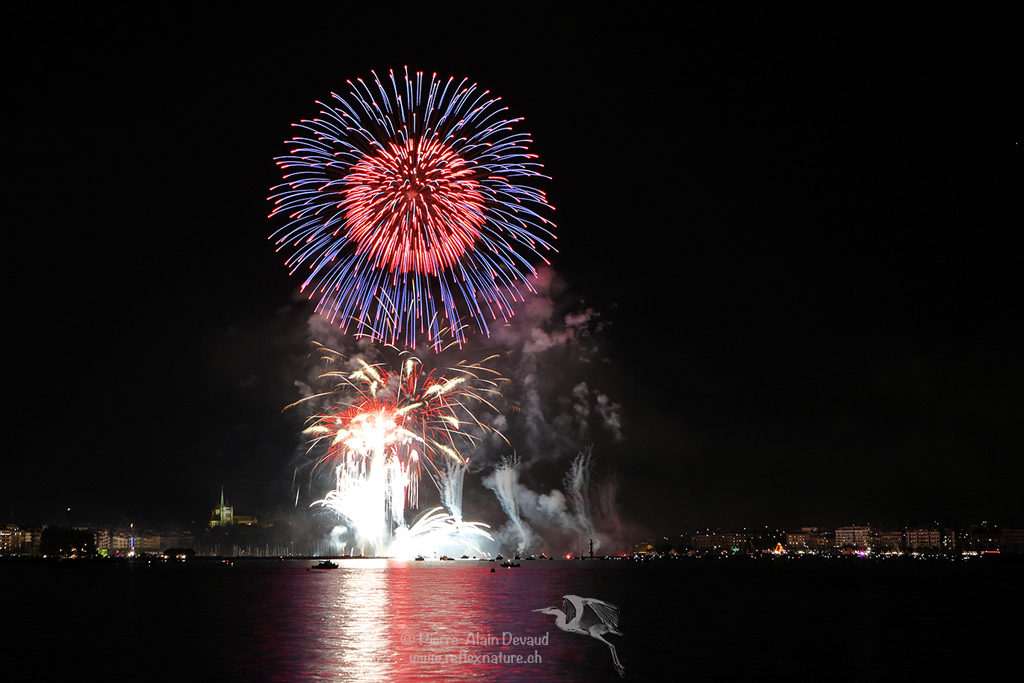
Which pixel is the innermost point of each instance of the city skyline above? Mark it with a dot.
(247, 537)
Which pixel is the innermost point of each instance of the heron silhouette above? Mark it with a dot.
(591, 617)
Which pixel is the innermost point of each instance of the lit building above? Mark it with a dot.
(728, 541)
(104, 538)
(17, 541)
(925, 537)
(808, 538)
(644, 548)
(948, 540)
(798, 540)
(888, 540)
(855, 536)
(225, 514)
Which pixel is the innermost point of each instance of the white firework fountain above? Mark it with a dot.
(375, 445)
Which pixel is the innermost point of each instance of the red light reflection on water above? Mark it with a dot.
(402, 621)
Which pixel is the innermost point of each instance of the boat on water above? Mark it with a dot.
(326, 564)
(509, 564)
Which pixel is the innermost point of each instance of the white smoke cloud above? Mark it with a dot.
(582, 409)
(548, 345)
(560, 520)
(504, 481)
(611, 414)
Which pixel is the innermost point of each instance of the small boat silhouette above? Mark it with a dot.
(326, 564)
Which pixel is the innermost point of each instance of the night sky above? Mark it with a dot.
(795, 239)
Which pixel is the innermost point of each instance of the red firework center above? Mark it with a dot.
(413, 207)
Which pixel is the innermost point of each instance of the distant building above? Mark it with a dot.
(926, 537)
(808, 539)
(644, 548)
(860, 537)
(797, 540)
(980, 538)
(889, 540)
(225, 514)
(1012, 541)
(727, 541)
(147, 542)
(949, 540)
(126, 540)
(709, 540)
(176, 539)
(17, 541)
(104, 538)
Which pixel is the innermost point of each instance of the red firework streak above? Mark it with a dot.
(408, 416)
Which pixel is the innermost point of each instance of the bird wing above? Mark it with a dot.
(605, 611)
(569, 607)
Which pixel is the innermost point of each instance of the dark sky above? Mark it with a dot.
(800, 233)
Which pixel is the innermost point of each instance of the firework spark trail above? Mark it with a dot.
(505, 483)
(577, 489)
(437, 530)
(391, 425)
(451, 483)
(607, 505)
(410, 207)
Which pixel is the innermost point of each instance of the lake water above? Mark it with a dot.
(378, 620)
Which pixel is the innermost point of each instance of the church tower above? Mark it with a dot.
(223, 515)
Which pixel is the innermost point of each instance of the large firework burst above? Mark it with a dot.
(387, 425)
(406, 200)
